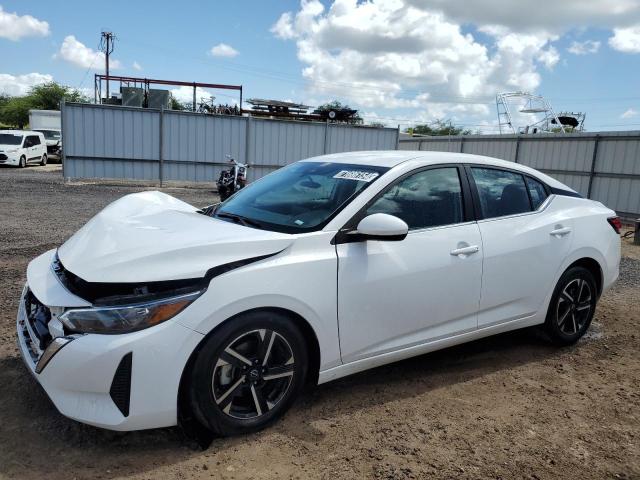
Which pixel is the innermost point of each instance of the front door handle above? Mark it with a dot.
(560, 231)
(471, 249)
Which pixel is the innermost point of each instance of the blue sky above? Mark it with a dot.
(398, 61)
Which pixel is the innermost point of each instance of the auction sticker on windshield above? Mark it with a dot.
(356, 175)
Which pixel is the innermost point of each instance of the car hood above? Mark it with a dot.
(152, 236)
(4, 148)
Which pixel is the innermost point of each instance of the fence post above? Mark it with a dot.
(326, 134)
(247, 140)
(461, 144)
(161, 152)
(515, 157)
(398, 138)
(592, 173)
(420, 142)
(62, 150)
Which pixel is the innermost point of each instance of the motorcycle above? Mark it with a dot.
(233, 179)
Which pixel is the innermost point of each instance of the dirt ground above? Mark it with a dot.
(507, 407)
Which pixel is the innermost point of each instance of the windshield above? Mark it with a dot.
(50, 134)
(10, 139)
(301, 197)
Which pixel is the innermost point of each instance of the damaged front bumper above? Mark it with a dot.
(120, 382)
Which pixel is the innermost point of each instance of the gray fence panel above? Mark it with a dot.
(280, 143)
(549, 154)
(619, 155)
(104, 141)
(349, 139)
(621, 194)
(506, 150)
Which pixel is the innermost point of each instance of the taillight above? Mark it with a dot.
(615, 223)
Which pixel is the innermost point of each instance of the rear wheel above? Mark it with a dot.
(572, 306)
(248, 373)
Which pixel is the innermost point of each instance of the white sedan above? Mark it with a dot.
(156, 311)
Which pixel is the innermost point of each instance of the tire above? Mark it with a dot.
(23, 162)
(230, 396)
(43, 162)
(572, 306)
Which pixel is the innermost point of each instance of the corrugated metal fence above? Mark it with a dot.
(104, 141)
(603, 166)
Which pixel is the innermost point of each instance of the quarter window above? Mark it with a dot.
(425, 199)
(537, 192)
(501, 192)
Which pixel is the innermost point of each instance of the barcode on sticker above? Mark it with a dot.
(356, 175)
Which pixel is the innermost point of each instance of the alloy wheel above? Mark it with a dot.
(252, 374)
(574, 306)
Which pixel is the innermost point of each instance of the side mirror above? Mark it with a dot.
(382, 226)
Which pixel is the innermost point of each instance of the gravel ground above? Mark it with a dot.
(510, 406)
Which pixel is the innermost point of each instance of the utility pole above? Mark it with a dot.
(106, 45)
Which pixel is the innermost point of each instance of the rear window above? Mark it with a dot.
(10, 139)
(537, 192)
(501, 192)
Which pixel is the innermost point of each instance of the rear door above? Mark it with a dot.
(397, 294)
(524, 242)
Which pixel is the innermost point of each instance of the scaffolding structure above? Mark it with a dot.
(545, 119)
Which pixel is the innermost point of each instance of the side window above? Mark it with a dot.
(429, 198)
(27, 142)
(537, 192)
(35, 140)
(501, 192)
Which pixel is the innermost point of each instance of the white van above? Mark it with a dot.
(20, 147)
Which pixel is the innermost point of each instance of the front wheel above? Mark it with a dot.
(43, 161)
(572, 306)
(248, 373)
(23, 162)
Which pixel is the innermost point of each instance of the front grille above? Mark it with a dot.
(3, 156)
(38, 316)
(120, 390)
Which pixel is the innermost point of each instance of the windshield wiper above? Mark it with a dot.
(247, 222)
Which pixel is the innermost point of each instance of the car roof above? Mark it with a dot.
(21, 132)
(392, 158)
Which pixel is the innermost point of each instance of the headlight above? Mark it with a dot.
(127, 318)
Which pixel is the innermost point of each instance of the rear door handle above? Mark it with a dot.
(561, 231)
(471, 249)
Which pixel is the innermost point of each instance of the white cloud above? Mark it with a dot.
(223, 50)
(14, 27)
(533, 15)
(136, 66)
(20, 84)
(626, 39)
(394, 54)
(584, 48)
(630, 113)
(283, 28)
(78, 54)
(184, 94)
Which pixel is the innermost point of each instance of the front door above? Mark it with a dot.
(397, 294)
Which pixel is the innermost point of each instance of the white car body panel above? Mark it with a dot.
(141, 238)
(366, 303)
(381, 281)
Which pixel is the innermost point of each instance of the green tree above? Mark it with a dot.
(15, 111)
(377, 124)
(437, 128)
(176, 105)
(49, 95)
